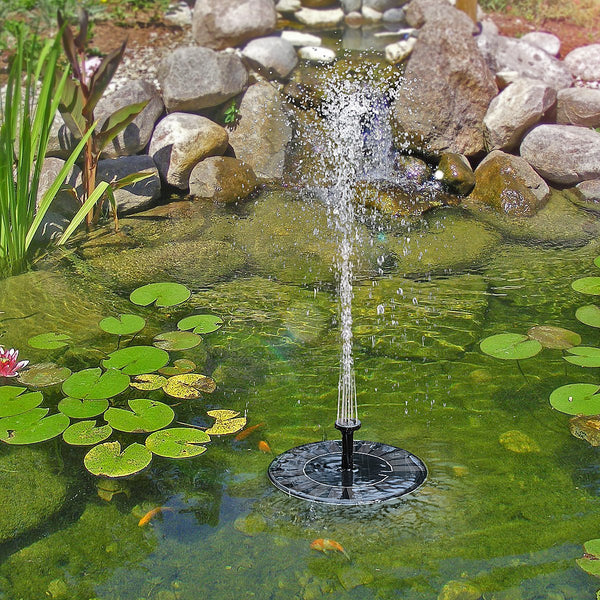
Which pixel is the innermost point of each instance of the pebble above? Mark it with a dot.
(316, 54)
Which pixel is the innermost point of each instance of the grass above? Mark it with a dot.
(579, 12)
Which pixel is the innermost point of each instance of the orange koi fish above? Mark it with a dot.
(264, 447)
(325, 545)
(242, 435)
(151, 514)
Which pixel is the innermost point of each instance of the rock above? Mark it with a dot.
(135, 197)
(508, 184)
(399, 51)
(275, 55)
(251, 524)
(590, 190)
(60, 141)
(456, 173)
(317, 54)
(318, 3)
(459, 590)
(586, 428)
(349, 6)
(63, 203)
(584, 62)
(320, 18)
(370, 15)
(578, 106)
(263, 132)
(548, 42)
(218, 24)
(194, 78)
(299, 38)
(288, 6)
(137, 134)
(563, 154)
(179, 14)
(394, 15)
(519, 442)
(509, 54)
(222, 179)
(515, 110)
(354, 20)
(51, 228)
(181, 141)
(444, 62)
(505, 78)
(412, 169)
(352, 576)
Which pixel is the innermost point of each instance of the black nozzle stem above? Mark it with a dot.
(347, 429)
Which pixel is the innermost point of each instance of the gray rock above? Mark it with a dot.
(399, 51)
(60, 141)
(51, 228)
(563, 154)
(64, 203)
(316, 54)
(222, 179)
(288, 6)
(299, 38)
(275, 55)
(194, 78)
(179, 14)
(548, 42)
(590, 190)
(327, 17)
(584, 62)
(219, 24)
(578, 106)
(180, 141)
(349, 6)
(371, 15)
(263, 132)
(445, 64)
(394, 15)
(135, 137)
(515, 110)
(383, 5)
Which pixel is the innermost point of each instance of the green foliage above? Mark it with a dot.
(510, 346)
(590, 563)
(231, 113)
(145, 416)
(177, 442)
(177, 340)
(86, 433)
(200, 323)
(162, 294)
(136, 360)
(14, 402)
(123, 324)
(108, 460)
(43, 375)
(49, 341)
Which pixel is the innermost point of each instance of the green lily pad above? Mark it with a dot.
(122, 325)
(43, 375)
(180, 367)
(108, 460)
(587, 285)
(136, 360)
(200, 323)
(85, 433)
(590, 562)
(145, 416)
(14, 402)
(32, 427)
(93, 384)
(148, 382)
(576, 399)
(49, 341)
(510, 346)
(176, 340)
(555, 338)
(189, 386)
(163, 294)
(588, 315)
(82, 409)
(584, 356)
(177, 442)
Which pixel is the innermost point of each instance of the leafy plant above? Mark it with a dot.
(231, 113)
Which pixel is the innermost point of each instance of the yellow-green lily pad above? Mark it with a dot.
(587, 285)
(227, 422)
(588, 315)
(201, 324)
(176, 340)
(180, 367)
(86, 433)
(189, 386)
(13, 400)
(148, 382)
(162, 294)
(177, 442)
(123, 324)
(93, 384)
(590, 562)
(108, 460)
(145, 416)
(43, 375)
(136, 360)
(82, 409)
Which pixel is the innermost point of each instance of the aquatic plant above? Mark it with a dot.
(10, 363)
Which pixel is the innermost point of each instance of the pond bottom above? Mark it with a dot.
(314, 472)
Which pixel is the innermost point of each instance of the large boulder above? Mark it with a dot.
(311, 17)
(222, 179)
(193, 78)
(584, 62)
(64, 203)
(60, 141)
(263, 132)
(578, 106)
(548, 42)
(590, 190)
(275, 56)
(135, 137)
(563, 154)
(448, 86)
(220, 24)
(181, 141)
(515, 110)
(508, 184)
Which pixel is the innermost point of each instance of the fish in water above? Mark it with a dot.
(242, 435)
(325, 545)
(264, 447)
(151, 514)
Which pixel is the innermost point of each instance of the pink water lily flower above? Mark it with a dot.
(9, 367)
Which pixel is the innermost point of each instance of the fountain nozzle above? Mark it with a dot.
(347, 429)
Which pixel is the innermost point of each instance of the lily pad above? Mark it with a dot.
(43, 375)
(108, 460)
(49, 341)
(177, 442)
(555, 338)
(588, 315)
(136, 360)
(576, 399)
(510, 346)
(584, 356)
(32, 427)
(82, 409)
(587, 285)
(226, 422)
(590, 562)
(586, 428)
(223, 414)
(123, 324)
(180, 367)
(200, 323)
(176, 340)
(189, 386)
(93, 384)
(14, 402)
(145, 416)
(163, 294)
(85, 433)
(148, 382)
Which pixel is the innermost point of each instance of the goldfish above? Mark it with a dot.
(264, 447)
(151, 514)
(242, 435)
(325, 545)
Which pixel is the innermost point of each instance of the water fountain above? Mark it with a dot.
(349, 471)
